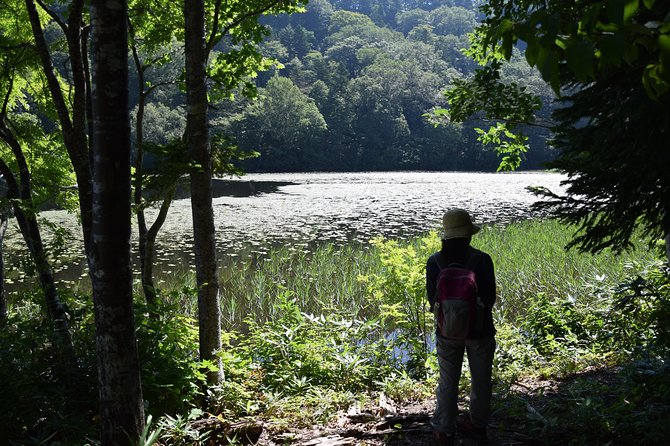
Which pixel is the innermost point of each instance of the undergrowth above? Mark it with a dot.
(309, 334)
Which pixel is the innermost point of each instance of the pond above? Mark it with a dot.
(261, 210)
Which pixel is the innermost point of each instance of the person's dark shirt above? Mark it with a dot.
(486, 285)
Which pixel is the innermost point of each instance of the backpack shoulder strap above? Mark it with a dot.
(470, 263)
(438, 259)
(473, 259)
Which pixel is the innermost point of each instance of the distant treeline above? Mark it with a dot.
(356, 80)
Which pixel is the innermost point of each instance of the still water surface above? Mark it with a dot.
(262, 210)
(337, 207)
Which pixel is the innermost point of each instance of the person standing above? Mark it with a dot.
(478, 341)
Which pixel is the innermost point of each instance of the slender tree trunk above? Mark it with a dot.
(147, 245)
(21, 190)
(197, 140)
(72, 125)
(146, 235)
(150, 245)
(146, 263)
(119, 386)
(146, 260)
(4, 218)
(667, 246)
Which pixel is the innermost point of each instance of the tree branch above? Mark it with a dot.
(47, 64)
(63, 26)
(215, 28)
(542, 125)
(214, 38)
(5, 101)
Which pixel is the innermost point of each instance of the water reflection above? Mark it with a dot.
(262, 210)
(235, 188)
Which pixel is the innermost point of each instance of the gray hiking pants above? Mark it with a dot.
(450, 359)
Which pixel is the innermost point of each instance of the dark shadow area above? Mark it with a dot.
(620, 405)
(235, 188)
(220, 188)
(617, 406)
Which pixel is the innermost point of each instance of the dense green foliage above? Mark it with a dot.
(348, 91)
(319, 331)
(354, 84)
(609, 64)
(633, 191)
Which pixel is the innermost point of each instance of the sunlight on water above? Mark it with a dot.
(262, 210)
(338, 207)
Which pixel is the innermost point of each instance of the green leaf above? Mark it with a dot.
(524, 30)
(505, 26)
(653, 82)
(561, 43)
(579, 57)
(664, 45)
(531, 53)
(631, 8)
(590, 17)
(551, 25)
(507, 45)
(547, 63)
(631, 53)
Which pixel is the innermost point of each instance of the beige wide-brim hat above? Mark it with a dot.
(456, 223)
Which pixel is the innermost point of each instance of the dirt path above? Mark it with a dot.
(601, 406)
(407, 425)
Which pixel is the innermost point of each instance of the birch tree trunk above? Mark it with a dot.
(119, 387)
(197, 140)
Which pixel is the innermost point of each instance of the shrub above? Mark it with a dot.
(397, 298)
(41, 400)
(297, 350)
(172, 376)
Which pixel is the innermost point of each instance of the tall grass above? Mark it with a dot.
(529, 259)
(556, 309)
(323, 280)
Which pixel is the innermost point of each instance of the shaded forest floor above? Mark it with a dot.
(409, 425)
(592, 407)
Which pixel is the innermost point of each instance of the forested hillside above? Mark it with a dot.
(354, 82)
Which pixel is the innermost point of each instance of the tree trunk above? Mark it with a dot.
(3, 299)
(146, 235)
(72, 125)
(150, 245)
(197, 140)
(119, 386)
(146, 259)
(667, 246)
(22, 205)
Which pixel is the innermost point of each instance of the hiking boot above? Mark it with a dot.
(468, 428)
(443, 439)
